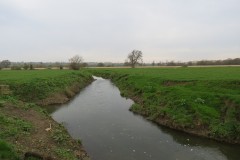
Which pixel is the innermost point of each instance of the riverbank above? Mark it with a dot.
(199, 101)
(26, 129)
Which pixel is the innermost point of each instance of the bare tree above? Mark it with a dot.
(135, 57)
(75, 62)
(5, 64)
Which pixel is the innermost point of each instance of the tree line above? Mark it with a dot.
(229, 61)
(133, 59)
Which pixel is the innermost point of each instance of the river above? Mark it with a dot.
(100, 117)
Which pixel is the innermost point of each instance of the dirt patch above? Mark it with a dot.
(5, 90)
(63, 96)
(199, 130)
(229, 106)
(39, 140)
(176, 83)
(56, 98)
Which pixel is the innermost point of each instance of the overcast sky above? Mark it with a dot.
(107, 30)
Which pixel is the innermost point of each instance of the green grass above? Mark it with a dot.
(59, 135)
(33, 85)
(182, 73)
(27, 75)
(191, 98)
(7, 152)
(65, 153)
(12, 127)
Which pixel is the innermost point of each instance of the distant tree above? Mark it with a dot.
(56, 64)
(171, 63)
(25, 66)
(31, 67)
(41, 65)
(49, 66)
(189, 63)
(100, 65)
(126, 63)
(61, 66)
(153, 63)
(184, 65)
(110, 65)
(135, 57)
(5, 64)
(159, 63)
(75, 62)
(84, 65)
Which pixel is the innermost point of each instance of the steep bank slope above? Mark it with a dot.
(26, 127)
(200, 101)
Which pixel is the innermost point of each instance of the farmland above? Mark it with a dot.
(38, 84)
(200, 101)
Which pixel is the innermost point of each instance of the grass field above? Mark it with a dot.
(32, 85)
(203, 101)
(23, 123)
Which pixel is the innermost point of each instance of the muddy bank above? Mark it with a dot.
(44, 137)
(64, 96)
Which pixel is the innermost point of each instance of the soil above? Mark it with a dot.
(174, 83)
(63, 96)
(56, 98)
(39, 140)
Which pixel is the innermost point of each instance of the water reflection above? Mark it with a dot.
(99, 116)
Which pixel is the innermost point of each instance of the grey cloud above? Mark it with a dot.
(108, 30)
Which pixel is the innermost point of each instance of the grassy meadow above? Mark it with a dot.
(203, 101)
(23, 122)
(33, 85)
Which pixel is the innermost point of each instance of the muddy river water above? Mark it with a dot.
(99, 116)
